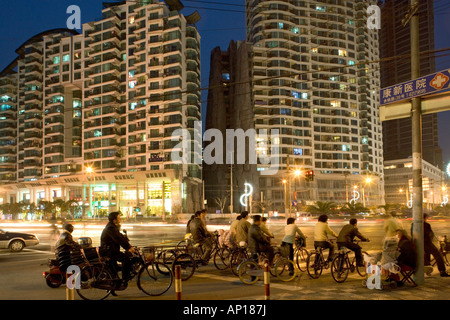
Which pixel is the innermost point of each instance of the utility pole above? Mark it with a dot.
(417, 232)
(231, 188)
(289, 185)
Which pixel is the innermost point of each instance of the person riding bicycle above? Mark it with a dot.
(112, 240)
(258, 242)
(242, 229)
(201, 235)
(346, 237)
(291, 231)
(233, 231)
(321, 232)
(64, 245)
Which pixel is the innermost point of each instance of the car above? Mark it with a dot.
(16, 241)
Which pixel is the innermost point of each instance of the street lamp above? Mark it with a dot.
(286, 208)
(90, 171)
(367, 181)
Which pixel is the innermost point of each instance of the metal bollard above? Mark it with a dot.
(266, 280)
(178, 282)
(69, 292)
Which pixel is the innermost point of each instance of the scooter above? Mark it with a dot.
(54, 277)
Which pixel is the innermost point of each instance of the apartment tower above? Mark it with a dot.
(95, 112)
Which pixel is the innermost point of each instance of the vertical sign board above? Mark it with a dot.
(415, 88)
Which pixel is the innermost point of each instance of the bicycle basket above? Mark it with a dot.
(148, 253)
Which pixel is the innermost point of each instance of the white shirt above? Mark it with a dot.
(321, 230)
(290, 231)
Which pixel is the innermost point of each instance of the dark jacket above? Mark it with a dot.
(428, 234)
(112, 239)
(198, 230)
(66, 242)
(257, 242)
(348, 234)
(407, 253)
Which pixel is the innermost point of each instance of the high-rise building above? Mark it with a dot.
(95, 112)
(395, 41)
(313, 81)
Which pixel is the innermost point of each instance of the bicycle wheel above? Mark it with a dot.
(153, 282)
(249, 272)
(361, 269)
(166, 258)
(94, 279)
(187, 264)
(277, 257)
(301, 258)
(340, 268)
(222, 258)
(284, 270)
(236, 258)
(314, 265)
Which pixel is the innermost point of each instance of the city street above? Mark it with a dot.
(21, 273)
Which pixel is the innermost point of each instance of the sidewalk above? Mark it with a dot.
(434, 288)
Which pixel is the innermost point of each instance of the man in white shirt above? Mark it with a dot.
(321, 232)
(291, 230)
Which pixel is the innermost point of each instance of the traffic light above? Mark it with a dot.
(309, 176)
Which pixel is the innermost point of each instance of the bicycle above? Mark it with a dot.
(251, 270)
(98, 279)
(192, 254)
(315, 262)
(444, 249)
(300, 255)
(341, 265)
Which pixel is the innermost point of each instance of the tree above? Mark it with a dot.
(12, 208)
(322, 207)
(354, 208)
(47, 208)
(221, 202)
(263, 205)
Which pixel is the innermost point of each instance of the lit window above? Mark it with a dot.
(295, 30)
(336, 104)
(66, 58)
(351, 63)
(343, 53)
(56, 60)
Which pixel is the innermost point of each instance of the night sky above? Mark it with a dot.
(21, 19)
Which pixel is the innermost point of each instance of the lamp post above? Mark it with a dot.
(286, 208)
(367, 181)
(90, 171)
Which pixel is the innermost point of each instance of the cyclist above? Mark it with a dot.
(431, 249)
(346, 237)
(64, 245)
(321, 232)
(291, 230)
(242, 229)
(257, 242)
(110, 242)
(201, 236)
(264, 228)
(233, 230)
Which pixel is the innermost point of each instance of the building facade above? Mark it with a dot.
(97, 110)
(311, 82)
(395, 41)
(399, 179)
